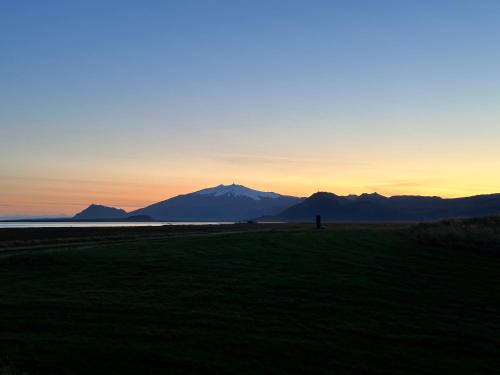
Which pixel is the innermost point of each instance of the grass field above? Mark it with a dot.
(348, 300)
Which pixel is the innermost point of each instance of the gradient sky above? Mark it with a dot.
(125, 103)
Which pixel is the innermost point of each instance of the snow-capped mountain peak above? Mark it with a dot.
(237, 191)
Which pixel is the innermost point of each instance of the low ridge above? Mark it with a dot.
(96, 211)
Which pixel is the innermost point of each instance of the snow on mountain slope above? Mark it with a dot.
(236, 191)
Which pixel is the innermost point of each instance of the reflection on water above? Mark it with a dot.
(12, 224)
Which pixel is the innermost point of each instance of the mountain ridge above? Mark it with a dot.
(378, 208)
(237, 202)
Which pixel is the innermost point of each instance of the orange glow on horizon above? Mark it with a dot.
(22, 195)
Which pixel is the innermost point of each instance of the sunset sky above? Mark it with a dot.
(131, 102)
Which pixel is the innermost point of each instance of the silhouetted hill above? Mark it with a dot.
(220, 203)
(95, 211)
(375, 208)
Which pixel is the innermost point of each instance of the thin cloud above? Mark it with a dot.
(398, 185)
(287, 160)
(79, 181)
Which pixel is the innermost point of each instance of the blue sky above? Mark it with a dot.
(295, 96)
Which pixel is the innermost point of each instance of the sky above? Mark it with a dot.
(125, 103)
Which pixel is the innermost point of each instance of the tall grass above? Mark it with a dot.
(480, 234)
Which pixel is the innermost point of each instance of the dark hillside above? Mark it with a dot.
(369, 208)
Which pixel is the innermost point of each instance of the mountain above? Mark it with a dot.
(220, 203)
(377, 208)
(237, 202)
(95, 211)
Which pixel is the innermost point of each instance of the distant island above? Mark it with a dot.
(97, 211)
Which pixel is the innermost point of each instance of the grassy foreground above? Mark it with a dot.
(344, 301)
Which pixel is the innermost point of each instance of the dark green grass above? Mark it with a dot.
(333, 302)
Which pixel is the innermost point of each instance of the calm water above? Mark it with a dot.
(101, 224)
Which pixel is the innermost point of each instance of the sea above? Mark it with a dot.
(62, 224)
